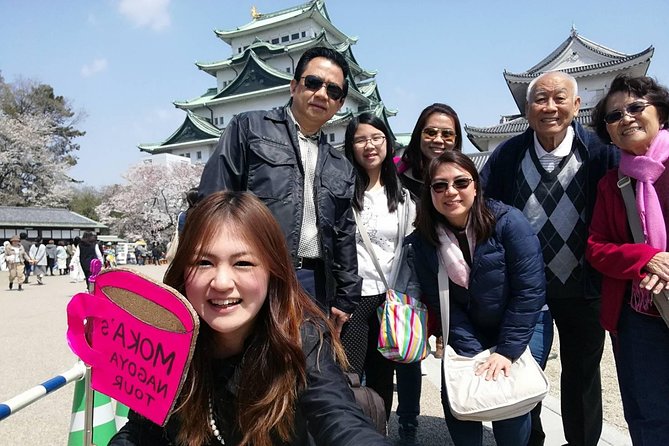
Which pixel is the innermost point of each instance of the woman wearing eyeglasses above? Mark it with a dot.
(634, 115)
(496, 278)
(387, 212)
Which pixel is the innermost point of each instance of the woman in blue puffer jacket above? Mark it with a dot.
(496, 278)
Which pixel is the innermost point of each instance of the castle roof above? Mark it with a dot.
(264, 49)
(256, 78)
(579, 57)
(314, 9)
(193, 131)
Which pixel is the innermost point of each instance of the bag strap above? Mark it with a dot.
(444, 298)
(625, 186)
(368, 246)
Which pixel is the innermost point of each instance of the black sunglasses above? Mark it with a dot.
(631, 109)
(432, 132)
(315, 83)
(459, 184)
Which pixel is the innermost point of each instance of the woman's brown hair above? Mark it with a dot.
(427, 218)
(273, 368)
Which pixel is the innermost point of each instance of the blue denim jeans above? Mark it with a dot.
(542, 339)
(540, 346)
(641, 351)
(313, 282)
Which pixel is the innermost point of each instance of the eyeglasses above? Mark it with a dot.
(632, 109)
(459, 184)
(376, 140)
(432, 132)
(315, 83)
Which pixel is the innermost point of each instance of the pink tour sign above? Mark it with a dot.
(138, 336)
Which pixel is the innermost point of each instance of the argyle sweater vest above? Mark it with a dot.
(554, 203)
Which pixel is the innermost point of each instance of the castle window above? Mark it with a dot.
(288, 70)
(284, 39)
(332, 137)
(304, 34)
(275, 41)
(198, 155)
(295, 36)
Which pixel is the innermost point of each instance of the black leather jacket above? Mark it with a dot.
(259, 152)
(326, 412)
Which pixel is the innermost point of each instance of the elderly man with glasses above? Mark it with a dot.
(283, 157)
(550, 172)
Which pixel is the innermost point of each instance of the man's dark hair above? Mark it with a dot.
(23, 236)
(191, 196)
(327, 53)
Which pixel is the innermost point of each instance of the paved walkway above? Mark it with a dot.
(33, 348)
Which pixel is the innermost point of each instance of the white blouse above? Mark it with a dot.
(382, 227)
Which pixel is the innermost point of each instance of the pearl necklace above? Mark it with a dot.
(212, 424)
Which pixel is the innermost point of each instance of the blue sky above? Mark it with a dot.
(123, 62)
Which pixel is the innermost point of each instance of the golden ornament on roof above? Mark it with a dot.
(254, 12)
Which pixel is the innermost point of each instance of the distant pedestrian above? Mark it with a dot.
(28, 264)
(50, 256)
(88, 251)
(69, 248)
(61, 258)
(39, 259)
(3, 262)
(140, 253)
(15, 256)
(157, 253)
(76, 272)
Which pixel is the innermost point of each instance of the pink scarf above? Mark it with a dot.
(646, 169)
(450, 255)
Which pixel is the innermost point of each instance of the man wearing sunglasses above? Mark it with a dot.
(550, 172)
(283, 157)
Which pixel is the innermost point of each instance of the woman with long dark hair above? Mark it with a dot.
(265, 368)
(437, 130)
(387, 212)
(496, 278)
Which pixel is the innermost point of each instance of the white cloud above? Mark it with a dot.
(146, 13)
(97, 66)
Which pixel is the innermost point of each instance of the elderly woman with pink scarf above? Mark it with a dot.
(634, 115)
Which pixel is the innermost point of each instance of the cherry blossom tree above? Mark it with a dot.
(37, 132)
(147, 206)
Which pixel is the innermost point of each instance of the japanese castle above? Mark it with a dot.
(593, 65)
(257, 75)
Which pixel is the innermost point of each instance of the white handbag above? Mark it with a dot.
(471, 397)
